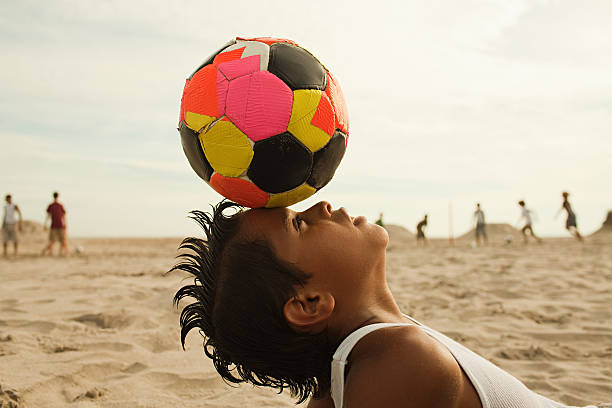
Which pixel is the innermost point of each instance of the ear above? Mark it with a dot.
(309, 310)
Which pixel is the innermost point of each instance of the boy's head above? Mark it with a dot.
(272, 286)
(55, 195)
(565, 194)
(8, 198)
(521, 203)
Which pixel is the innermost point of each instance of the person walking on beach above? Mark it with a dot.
(526, 215)
(57, 214)
(570, 222)
(9, 224)
(479, 218)
(420, 231)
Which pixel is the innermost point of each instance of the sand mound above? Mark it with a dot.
(608, 222)
(398, 234)
(494, 232)
(606, 227)
(30, 227)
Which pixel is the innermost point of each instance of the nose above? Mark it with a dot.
(321, 209)
(326, 207)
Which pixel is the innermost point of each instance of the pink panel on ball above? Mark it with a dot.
(222, 87)
(241, 67)
(259, 104)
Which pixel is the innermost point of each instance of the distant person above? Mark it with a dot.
(527, 227)
(420, 228)
(9, 224)
(481, 231)
(570, 222)
(380, 221)
(57, 214)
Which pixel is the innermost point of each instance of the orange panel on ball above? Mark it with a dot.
(267, 40)
(228, 56)
(324, 116)
(182, 111)
(200, 94)
(238, 190)
(337, 99)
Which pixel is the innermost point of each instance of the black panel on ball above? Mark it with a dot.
(280, 163)
(326, 160)
(195, 154)
(297, 67)
(210, 59)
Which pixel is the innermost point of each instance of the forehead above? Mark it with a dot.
(271, 225)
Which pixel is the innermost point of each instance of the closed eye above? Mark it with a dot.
(297, 221)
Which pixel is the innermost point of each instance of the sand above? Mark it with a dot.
(99, 329)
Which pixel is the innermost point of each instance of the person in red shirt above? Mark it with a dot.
(57, 214)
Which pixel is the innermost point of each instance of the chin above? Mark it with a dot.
(381, 235)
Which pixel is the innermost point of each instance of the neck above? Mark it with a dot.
(379, 307)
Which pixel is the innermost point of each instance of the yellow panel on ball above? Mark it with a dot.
(197, 122)
(290, 197)
(227, 149)
(305, 104)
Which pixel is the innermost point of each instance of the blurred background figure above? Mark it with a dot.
(9, 224)
(420, 228)
(380, 221)
(527, 227)
(479, 219)
(570, 222)
(57, 214)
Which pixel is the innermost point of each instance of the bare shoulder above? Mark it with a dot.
(323, 402)
(402, 366)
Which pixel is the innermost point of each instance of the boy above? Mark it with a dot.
(481, 231)
(285, 298)
(420, 229)
(526, 215)
(10, 221)
(56, 213)
(570, 222)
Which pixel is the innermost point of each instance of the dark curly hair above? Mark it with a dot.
(240, 288)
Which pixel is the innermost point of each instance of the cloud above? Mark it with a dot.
(463, 101)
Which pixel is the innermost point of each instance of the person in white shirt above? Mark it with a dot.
(9, 224)
(527, 227)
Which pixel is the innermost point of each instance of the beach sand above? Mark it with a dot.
(99, 329)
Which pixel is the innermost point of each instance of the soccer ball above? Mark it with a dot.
(263, 122)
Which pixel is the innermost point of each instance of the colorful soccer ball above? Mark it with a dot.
(263, 122)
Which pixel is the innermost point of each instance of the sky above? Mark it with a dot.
(451, 103)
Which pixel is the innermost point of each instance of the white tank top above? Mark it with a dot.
(10, 216)
(495, 387)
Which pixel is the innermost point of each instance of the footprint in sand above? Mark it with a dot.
(135, 368)
(90, 394)
(104, 320)
(9, 398)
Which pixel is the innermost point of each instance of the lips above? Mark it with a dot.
(354, 220)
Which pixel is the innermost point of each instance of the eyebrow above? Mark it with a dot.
(287, 221)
